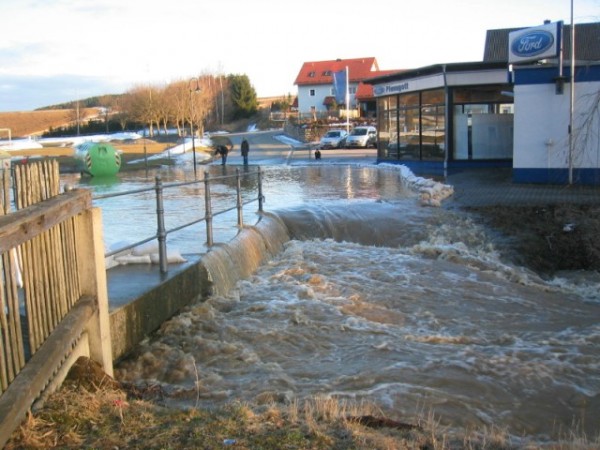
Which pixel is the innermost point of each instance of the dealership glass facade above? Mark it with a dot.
(416, 126)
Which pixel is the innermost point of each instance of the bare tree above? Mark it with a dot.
(120, 109)
(178, 104)
(142, 106)
(177, 94)
(164, 108)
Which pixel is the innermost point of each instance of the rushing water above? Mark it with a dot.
(376, 298)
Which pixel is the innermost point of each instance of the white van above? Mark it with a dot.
(362, 136)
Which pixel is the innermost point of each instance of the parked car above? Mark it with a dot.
(362, 136)
(333, 139)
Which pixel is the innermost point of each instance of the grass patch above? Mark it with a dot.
(76, 417)
(93, 411)
(547, 238)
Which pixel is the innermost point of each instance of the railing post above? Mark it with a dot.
(161, 232)
(260, 191)
(208, 210)
(238, 189)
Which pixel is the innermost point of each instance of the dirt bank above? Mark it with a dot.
(546, 238)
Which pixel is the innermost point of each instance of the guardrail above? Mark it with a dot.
(209, 214)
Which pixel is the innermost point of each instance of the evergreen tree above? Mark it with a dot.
(243, 96)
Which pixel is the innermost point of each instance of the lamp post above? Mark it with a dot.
(196, 89)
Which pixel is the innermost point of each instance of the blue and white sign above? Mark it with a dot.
(340, 86)
(533, 44)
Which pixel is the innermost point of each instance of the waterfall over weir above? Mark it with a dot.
(366, 223)
(226, 264)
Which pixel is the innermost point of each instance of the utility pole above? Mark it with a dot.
(196, 90)
(572, 99)
(222, 99)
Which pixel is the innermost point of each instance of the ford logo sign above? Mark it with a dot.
(532, 43)
(378, 90)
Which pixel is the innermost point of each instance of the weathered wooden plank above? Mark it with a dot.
(7, 372)
(32, 308)
(11, 322)
(14, 314)
(4, 191)
(29, 384)
(22, 225)
(70, 261)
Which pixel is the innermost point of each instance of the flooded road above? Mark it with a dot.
(378, 299)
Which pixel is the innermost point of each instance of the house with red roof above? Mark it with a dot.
(316, 92)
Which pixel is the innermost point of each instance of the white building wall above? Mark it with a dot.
(541, 124)
(306, 101)
(587, 125)
(540, 127)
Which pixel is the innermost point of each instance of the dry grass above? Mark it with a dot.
(136, 148)
(110, 418)
(76, 417)
(83, 415)
(28, 123)
(92, 410)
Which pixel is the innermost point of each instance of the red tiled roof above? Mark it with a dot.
(319, 72)
(364, 91)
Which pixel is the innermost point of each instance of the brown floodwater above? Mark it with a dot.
(378, 299)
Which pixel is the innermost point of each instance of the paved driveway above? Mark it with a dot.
(267, 149)
(484, 187)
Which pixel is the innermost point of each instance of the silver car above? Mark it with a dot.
(363, 137)
(333, 139)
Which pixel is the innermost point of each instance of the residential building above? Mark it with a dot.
(316, 93)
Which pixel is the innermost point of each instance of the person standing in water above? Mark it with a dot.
(245, 150)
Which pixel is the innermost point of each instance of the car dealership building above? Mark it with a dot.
(515, 109)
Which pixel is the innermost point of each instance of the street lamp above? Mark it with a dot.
(196, 89)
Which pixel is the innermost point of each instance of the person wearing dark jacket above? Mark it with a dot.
(245, 150)
(223, 151)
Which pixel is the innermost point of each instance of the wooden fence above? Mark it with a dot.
(53, 300)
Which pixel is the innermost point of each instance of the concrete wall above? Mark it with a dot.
(215, 273)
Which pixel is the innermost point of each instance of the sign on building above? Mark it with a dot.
(533, 44)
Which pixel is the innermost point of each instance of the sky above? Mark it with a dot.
(54, 51)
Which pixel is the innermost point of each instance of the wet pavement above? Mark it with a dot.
(488, 187)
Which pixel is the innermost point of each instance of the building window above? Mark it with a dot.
(352, 90)
(311, 74)
(312, 93)
(483, 124)
(327, 73)
(412, 126)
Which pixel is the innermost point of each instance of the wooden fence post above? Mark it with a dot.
(92, 268)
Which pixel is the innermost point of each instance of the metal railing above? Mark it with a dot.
(162, 232)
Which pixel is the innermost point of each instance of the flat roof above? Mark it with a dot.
(436, 69)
